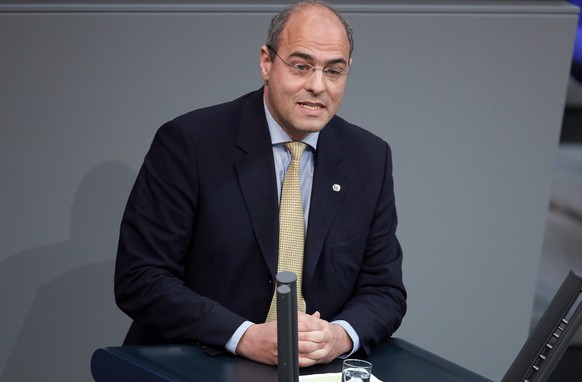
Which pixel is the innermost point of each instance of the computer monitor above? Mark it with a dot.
(550, 338)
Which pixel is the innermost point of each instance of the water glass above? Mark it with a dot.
(356, 370)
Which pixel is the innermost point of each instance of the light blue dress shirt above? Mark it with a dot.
(282, 159)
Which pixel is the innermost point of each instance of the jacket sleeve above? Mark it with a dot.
(155, 237)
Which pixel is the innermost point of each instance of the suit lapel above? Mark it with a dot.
(256, 174)
(325, 198)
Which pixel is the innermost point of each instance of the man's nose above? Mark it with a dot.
(316, 82)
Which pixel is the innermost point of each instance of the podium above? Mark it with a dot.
(394, 361)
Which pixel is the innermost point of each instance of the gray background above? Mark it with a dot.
(469, 94)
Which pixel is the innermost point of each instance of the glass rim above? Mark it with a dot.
(355, 361)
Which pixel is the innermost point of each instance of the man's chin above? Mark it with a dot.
(313, 125)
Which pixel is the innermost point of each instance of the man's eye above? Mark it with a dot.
(335, 72)
(302, 67)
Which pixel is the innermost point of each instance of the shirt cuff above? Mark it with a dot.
(353, 335)
(234, 340)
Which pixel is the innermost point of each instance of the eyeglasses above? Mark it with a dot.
(305, 70)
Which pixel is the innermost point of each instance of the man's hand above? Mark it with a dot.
(320, 341)
(259, 343)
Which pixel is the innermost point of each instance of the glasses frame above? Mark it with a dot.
(305, 70)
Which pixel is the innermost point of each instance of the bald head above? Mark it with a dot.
(306, 7)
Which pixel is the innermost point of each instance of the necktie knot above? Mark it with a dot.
(296, 149)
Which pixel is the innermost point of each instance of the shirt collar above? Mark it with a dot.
(279, 136)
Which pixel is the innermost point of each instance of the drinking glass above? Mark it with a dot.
(356, 370)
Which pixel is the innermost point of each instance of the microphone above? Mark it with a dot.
(287, 342)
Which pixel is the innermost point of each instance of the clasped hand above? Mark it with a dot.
(318, 341)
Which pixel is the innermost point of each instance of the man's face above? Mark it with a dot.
(305, 104)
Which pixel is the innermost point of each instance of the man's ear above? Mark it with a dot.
(265, 63)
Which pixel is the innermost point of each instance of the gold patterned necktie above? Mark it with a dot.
(291, 226)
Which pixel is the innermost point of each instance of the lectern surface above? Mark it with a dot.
(394, 361)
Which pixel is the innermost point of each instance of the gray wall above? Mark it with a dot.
(469, 94)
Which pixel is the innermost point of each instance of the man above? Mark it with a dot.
(198, 251)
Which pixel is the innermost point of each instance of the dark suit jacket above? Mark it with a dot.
(198, 245)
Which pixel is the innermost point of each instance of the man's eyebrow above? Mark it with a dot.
(305, 56)
(309, 57)
(337, 61)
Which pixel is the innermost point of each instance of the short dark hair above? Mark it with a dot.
(280, 20)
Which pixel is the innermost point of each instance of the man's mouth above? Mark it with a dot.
(311, 106)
